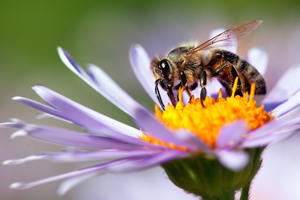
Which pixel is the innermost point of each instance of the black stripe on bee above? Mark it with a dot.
(230, 57)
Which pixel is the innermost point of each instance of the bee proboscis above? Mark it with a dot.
(191, 63)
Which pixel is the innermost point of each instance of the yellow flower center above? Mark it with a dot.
(205, 122)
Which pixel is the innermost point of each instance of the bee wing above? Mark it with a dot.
(230, 37)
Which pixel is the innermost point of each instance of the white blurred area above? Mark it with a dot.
(144, 185)
(106, 44)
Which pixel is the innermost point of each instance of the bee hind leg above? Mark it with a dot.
(203, 93)
(185, 85)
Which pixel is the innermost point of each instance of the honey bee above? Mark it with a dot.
(192, 63)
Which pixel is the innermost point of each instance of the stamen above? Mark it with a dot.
(205, 123)
(220, 93)
(234, 86)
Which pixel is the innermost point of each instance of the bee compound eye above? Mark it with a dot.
(164, 65)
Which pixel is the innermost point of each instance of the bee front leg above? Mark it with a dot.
(203, 92)
(185, 85)
(171, 96)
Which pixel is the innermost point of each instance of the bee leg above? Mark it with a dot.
(171, 96)
(203, 92)
(194, 86)
(158, 95)
(176, 87)
(184, 84)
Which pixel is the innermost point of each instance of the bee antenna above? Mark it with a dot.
(158, 94)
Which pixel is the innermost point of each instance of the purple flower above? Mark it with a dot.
(107, 139)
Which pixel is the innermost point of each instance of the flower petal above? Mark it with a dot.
(258, 57)
(93, 121)
(231, 134)
(150, 125)
(113, 92)
(85, 117)
(47, 109)
(233, 160)
(275, 129)
(23, 160)
(107, 89)
(68, 184)
(126, 166)
(61, 176)
(86, 156)
(287, 86)
(66, 137)
(290, 105)
(138, 164)
(140, 63)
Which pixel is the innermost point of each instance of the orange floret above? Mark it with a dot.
(206, 122)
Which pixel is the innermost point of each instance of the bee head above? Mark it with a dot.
(163, 73)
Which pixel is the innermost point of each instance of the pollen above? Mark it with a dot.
(206, 122)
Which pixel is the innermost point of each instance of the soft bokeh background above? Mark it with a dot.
(101, 32)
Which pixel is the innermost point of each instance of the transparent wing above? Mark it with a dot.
(230, 37)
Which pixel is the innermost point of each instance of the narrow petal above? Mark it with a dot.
(66, 137)
(140, 63)
(61, 176)
(274, 137)
(39, 106)
(231, 134)
(23, 160)
(74, 67)
(290, 105)
(113, 92)
(68, 184)
(86, 156)
(94, 79)
(233, 160)
(258, 57)
(152, 126)
(87, 118)
(274, 130)
(126, 166)
(144, 163)
(287, 86)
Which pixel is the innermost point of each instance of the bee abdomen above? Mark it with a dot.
(252, 76)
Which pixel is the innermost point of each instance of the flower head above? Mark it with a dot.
(229, 134)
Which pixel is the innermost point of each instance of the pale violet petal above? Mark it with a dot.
(77, 156)
(143, 163)
(21, 186)
(94, 79)
(99, 155)
(231, 134)
(113, 92)
(74, 67)
(68, 184)
(156, 129)
(68, 137)
(81, 115)
(23, 160)
(291, 104)
(259, 58)
(140, 63)
(233, 160)
(287, 86)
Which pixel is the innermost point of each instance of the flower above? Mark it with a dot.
(130, 149)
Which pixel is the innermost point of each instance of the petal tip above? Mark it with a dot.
(7, 162)
(18, 133)
(17, 185)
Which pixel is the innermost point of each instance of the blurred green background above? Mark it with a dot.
(101, 32)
